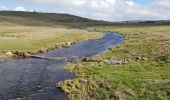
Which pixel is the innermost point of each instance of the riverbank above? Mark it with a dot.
(31, 76)
(145, 76)
(20, 39)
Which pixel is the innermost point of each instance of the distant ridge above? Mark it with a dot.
(37, 18)
(145, 21)
(55, 19)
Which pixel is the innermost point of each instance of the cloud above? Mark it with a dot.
(130, 3)
(21, 8)
(112, 10)
(3, 8)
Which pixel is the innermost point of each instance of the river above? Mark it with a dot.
(35, 79)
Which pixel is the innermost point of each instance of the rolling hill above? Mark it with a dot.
(37, 18)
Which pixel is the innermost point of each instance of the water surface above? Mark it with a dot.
(35, 79)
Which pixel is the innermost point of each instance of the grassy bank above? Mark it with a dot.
(34, 32)
(145, 77)
(35, 39)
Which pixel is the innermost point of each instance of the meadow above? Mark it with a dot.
(146, 48)
(145, 77)
(33, 33)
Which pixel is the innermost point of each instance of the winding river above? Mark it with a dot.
(35, 79)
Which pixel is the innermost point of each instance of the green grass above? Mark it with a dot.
(148, 81)
(138, 80)
(35, 32)
(28, 37)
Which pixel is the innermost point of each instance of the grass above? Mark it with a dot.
(47, 19)
(148, 81)
(149, 41)
(34, 38)
(137, 80)
(38, 32)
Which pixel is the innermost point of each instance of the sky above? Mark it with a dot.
(108, 10)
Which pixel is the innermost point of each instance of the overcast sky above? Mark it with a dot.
(109, 10)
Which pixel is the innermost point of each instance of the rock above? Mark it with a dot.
(107, 61)
(110, 48)
(119, 61)
(144, 59)
(114, 61)
(25, 54)
(129, 60)
(126, 61)
(74, 43)
(39, 86)
(74, 59)
(141, 58)
(84, 59)
(9, 53)
(83, 81)
(101, 63)
(42, 50)
(92, 30)
(76, 67)
(88, 59)
(68, 44)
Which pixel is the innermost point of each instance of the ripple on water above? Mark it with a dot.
(35, 79)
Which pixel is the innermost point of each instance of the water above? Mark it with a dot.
(35, 79)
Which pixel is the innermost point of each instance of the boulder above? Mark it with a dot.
(42, 50)
(107, 61)
(126, 61)
(141, 58)
(114, 61)
(74, 43)
(144, 59)
(129, 60)
(101, 63)
(68, 44)
(84, 59)
(9, 53)
(74, 59)
(25, 54)
(110, 48)
(119, 61)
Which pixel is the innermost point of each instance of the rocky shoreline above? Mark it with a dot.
(14, 54)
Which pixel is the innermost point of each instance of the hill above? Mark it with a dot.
(34, 32)
(37, 18)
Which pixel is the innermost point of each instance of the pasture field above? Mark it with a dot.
(145, 77)
(36, 32)
(146, 50)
